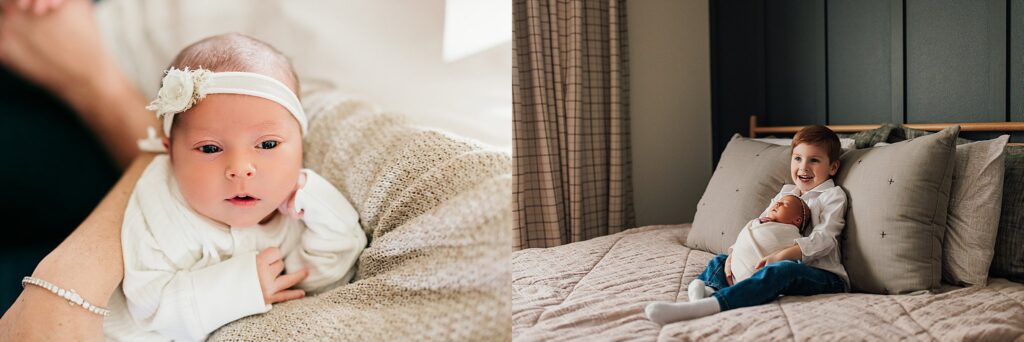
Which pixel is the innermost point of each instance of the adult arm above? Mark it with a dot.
(62, 51)
(89, 261)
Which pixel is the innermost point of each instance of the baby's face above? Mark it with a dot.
(236, 157)
(787, 210)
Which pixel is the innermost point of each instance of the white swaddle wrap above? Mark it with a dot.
(186, 275)
(757, 240)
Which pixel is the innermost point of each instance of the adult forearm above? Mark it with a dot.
(88, 261)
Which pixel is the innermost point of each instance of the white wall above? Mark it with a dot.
(670, 107)
(388, 52)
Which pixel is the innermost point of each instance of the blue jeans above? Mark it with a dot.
(785, 277)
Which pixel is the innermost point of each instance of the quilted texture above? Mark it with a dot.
(438, 213)
(599, 287)
(748, 176)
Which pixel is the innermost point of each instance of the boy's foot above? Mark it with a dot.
(696, 290)
(667, 312)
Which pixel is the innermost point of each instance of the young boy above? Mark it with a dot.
(810, 266)
(228, 222)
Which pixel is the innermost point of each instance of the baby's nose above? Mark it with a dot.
(243, 172)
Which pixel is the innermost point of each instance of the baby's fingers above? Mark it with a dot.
(287, 295)
(290, 279)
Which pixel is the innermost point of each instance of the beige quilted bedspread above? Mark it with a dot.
(597, 289)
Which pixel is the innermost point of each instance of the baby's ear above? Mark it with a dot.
(834, 168)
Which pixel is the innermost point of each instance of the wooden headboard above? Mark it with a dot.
(932, 127)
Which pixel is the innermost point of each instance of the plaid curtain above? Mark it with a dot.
(570, 121)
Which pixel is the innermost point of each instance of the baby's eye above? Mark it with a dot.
(796, 158)
(209, 149)
(269, 144)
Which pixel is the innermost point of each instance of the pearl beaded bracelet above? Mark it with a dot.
(72, 296)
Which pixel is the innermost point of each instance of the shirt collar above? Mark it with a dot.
(824, 186)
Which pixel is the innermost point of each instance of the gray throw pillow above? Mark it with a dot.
(974, 205)
(748, 176)
(898, 197)
(1008, 261)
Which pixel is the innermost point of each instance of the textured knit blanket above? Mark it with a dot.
(438, 214)
(599, 287)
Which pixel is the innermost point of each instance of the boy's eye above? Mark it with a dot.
(796, 158)
(269, 144)
(209, 149)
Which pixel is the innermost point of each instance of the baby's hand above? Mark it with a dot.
(275, 285)
(39, 7)
(288, 206)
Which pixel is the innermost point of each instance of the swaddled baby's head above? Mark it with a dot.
(236, 152)
(790, 210)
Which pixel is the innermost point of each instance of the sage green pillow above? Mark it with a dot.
(898, 197)
(748, 176)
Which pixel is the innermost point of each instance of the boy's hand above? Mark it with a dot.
(790, 253)
(764, 261)
(288, 206)
(728, 270)
(275, 285)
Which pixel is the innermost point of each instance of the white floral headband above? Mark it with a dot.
(182, 89)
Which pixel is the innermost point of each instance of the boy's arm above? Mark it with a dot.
(186, 304)
(333, 239)
(824, 237)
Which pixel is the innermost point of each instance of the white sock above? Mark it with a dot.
(667, 312)
(708, 291)
(696, 290)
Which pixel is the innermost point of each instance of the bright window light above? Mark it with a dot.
(472, 26)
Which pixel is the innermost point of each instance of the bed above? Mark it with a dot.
(598, 289)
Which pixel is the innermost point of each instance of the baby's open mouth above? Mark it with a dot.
(805, 178)
(243, 200)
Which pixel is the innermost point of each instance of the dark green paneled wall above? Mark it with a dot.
(865, 61)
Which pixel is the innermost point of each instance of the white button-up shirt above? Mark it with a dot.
(820, 248)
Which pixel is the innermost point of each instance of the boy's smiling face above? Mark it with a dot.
(236, 157)
(810, 166)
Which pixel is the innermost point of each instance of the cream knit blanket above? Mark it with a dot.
(438, 212)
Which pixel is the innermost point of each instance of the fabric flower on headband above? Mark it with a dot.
(179, 91)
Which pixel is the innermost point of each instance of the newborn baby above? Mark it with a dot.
(767, 235)
(228, 222)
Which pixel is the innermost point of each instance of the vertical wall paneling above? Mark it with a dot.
(860, 61)
(897, 53)
(737, 68)
(955, 60)
(795, 62)
(1016, 64)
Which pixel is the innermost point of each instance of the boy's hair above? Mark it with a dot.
(819, 135)
(238, 52)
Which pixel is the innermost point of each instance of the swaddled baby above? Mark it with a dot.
(767, 235)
